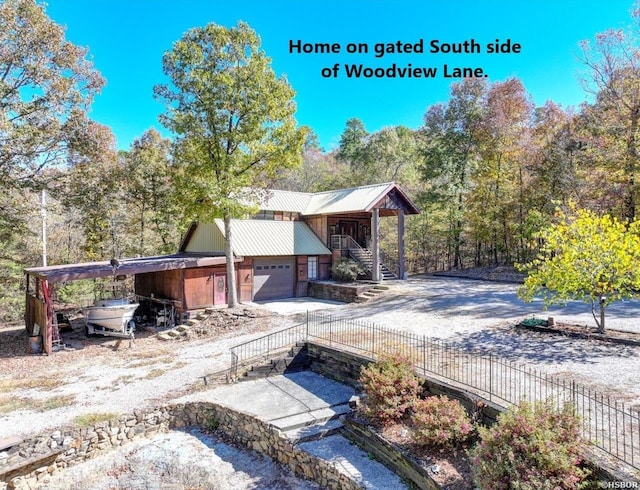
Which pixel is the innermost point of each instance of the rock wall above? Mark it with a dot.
(345, 367)
(346, 293)
(389, 454)
(31, 462)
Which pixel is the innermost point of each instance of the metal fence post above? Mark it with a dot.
(424, 354)
(330, 331)
(490, 377)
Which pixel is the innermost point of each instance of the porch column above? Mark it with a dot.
(401, 265)
(375, 245)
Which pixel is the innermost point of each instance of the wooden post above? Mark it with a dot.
(375, 245)
(401, 265)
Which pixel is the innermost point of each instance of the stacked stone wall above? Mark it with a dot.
(30, 463)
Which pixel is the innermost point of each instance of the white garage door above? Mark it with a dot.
(273, 278)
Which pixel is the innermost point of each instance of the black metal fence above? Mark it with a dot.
(608, 424)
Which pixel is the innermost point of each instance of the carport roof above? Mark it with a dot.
(91, 270)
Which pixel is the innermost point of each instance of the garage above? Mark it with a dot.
(273, 278)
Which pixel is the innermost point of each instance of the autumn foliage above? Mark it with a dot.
(391, 388)
(531, 447)
(585, 257)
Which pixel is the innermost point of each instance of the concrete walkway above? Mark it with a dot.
(306, 408)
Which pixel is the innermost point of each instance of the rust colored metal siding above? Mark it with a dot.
(164, 284)
(199, 286)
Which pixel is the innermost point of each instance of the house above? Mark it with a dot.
(294, 238)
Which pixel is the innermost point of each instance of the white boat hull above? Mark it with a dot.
(111, 314)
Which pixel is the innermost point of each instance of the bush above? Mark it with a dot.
(346, 270)
(533, 447)
(391, 388)
(439, 421)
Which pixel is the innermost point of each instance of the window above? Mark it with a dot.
(264, 215)
(312, 267)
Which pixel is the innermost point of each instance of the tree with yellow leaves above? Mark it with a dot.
(585, 257)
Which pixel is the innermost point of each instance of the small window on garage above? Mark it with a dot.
(312, 267)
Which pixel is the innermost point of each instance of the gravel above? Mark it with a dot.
(106, 376)
(480, 315)
(179, 460)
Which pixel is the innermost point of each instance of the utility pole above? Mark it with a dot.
(43, 212)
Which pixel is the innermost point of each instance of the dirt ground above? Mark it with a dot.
(104, 375)
(101, 377)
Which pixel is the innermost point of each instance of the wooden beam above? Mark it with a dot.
(401, 265)
(375, 245)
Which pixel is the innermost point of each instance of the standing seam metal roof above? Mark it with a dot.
(255, 238)
(353, 199)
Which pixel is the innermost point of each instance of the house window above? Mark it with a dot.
(265, 215)
(312, 267)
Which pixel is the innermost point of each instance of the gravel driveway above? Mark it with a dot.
(103, 376)
(481, 315)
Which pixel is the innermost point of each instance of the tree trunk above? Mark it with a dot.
(602, 307)
(232, 296)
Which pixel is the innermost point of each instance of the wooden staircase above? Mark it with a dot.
(365, 257)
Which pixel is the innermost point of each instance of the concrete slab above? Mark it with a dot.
(293, 306)
(354, 462)
(319, 416)
(283, 396)
(294, 402)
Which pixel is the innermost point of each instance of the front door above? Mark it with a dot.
(220, 289)
(349, 228)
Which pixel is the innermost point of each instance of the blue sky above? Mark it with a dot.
(127, 38)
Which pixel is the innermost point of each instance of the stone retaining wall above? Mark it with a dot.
(389, 454)
(345, 367)
(31, 462)
(346, 293)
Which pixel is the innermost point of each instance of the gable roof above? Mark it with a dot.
(257, 238)
(354, 199)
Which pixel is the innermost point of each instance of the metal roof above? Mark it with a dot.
(295, 202)
(256, 238)
(91, 270)
(354, 199)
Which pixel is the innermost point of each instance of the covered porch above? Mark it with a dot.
(356, 234)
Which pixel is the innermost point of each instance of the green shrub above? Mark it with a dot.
(532, 447)
(440, 421)
(346, 270)
(391, 388)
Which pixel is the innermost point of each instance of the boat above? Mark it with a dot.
(112, 317)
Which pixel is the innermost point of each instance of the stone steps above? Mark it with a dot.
(176, 332)
(371, 293)
(312, 417)
(314, 432)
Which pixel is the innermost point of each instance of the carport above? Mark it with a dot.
(40, 281)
